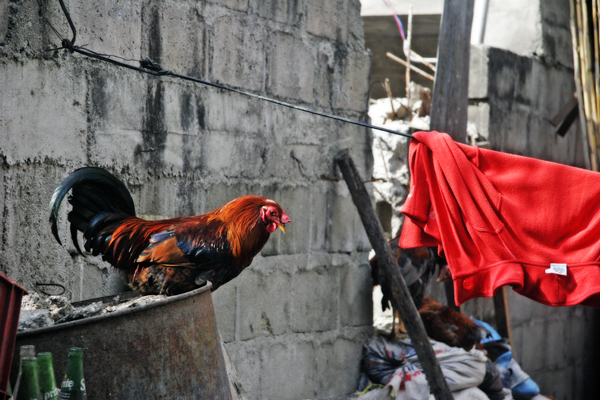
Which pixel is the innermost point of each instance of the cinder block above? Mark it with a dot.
(356, 298)
(556, 40)
(246, 358)
(574, 336)
(506, 129)
(184, 109)
(334, 218)
(173, 34)
(338, 367)
(502, 71)
(103, 25)
(479, 114)
(325, 69)
(225, 304)
(238, 5)
(289, 12)
(358, 141)
(258, 314)
(478, 72)
(42, 112)
(117, 99)
(555, 87)
(234, 113)
(559, 384)
(529, 356)
(161, 196)
(343, 215)
(291, 363)
(556, 32)
(350, 79)
(290, 127)
(320, 224)
(4, 21)
(25, 232)
(481, 308)
(125, 143)
(291, 66)
(238, 53)
(26, 36)
(220, 192)
(554, 330)
(236, 157)
(328, 19)
(524, 310)
(312, 306)
(296, 201)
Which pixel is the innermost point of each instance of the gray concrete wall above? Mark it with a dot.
(294, 322)
(513, 97)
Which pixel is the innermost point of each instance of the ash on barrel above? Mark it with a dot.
(39, 311)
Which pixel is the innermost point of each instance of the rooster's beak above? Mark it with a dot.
(284, 220)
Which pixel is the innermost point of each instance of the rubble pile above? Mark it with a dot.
(39, 311)
(390, 168)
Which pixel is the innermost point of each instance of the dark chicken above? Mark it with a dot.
(417, 266)
(449, 326)
(442, 323)
(168, 256)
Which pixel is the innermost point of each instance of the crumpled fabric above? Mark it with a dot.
(394, 363)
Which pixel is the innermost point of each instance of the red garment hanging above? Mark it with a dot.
(502, 219)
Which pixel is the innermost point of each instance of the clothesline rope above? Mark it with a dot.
(150, 67)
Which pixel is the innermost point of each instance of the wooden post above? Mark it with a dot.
(391, 271)
(451, 100)
(502, 315)
(451, 87)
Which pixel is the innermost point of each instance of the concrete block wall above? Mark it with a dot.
(295, 321)
(513, 98)
(514, 93)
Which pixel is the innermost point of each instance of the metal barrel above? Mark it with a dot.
(168, 349)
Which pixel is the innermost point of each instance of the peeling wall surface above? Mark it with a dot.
(294, 322)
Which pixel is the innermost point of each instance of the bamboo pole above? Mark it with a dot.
(400, 294)
(407, 43)
(388, 91)
(596, 29)
(416, 57)
(586, 127)
(589, 73)
(417, 70)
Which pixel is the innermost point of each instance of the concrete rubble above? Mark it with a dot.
(41, 311)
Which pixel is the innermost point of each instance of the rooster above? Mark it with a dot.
(169, 256)
(449, 326)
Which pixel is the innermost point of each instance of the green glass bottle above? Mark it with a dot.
(47, 381)
(73, 384)
(24, 351)
(29, 388)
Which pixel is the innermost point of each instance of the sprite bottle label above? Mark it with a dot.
(73, 384)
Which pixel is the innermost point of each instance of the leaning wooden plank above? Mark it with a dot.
(391, 270)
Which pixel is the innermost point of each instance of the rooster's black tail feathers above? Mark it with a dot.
(98, 199)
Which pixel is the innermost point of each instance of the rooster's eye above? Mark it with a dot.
(273, 213)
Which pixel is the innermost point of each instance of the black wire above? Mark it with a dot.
(58, 285)
(66, 42)
(153, 68)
